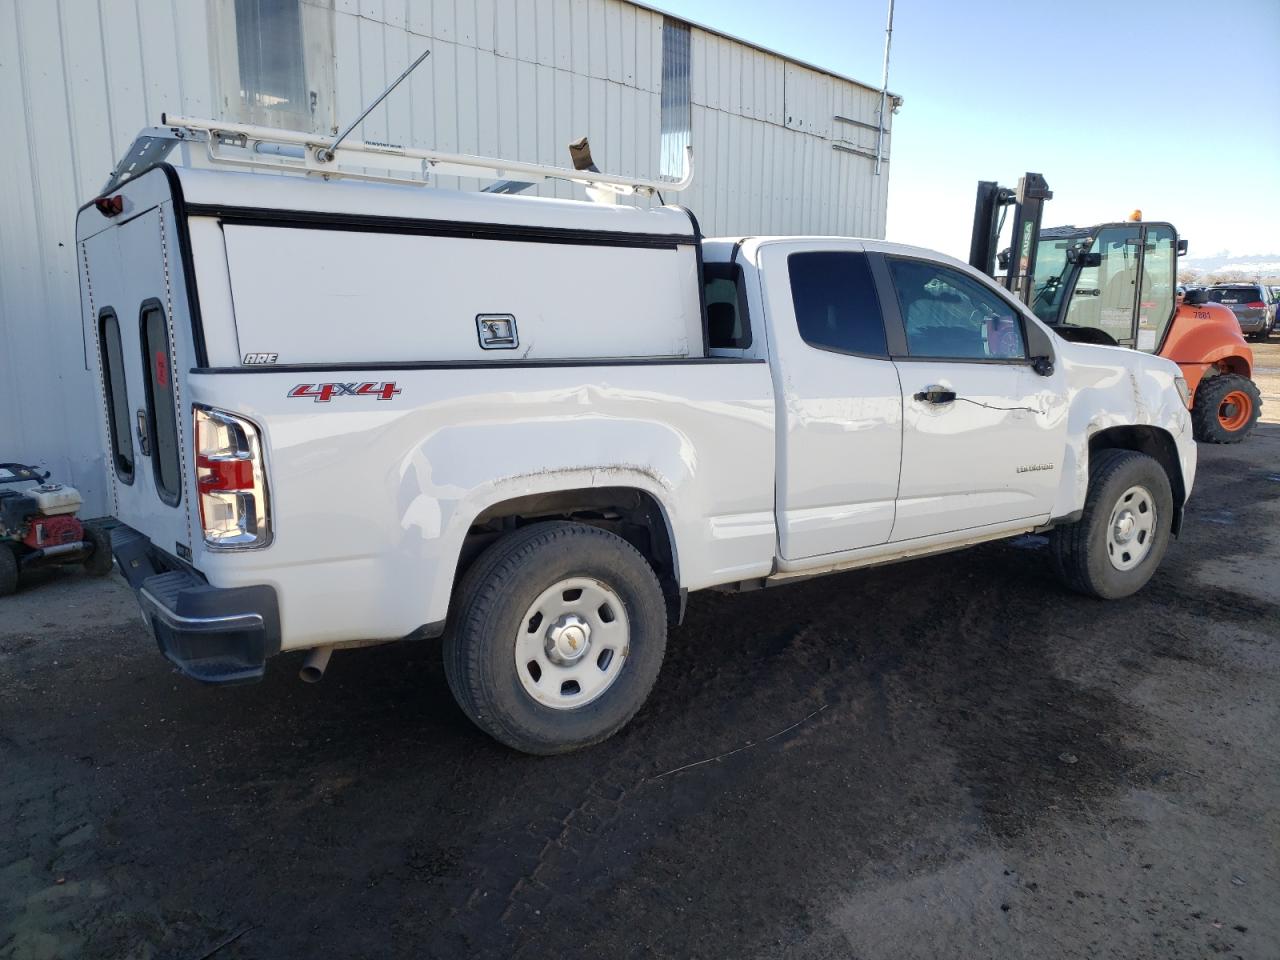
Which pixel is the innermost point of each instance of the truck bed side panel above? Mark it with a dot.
(372, 498)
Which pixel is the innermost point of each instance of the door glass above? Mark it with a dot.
(1104, 295)
(1159, 283)
(1052, 267)
(117, 396)
(727, 324)
(161, 411)
(951, 316)
(835, 301)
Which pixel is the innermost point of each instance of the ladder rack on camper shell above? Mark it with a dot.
(264, 148)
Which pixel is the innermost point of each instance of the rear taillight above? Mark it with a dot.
(231, 481)
(1256, 305)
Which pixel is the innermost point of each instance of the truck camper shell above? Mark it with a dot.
(311, 272)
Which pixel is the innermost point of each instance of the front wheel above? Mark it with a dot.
(1120, 539)
(1226, 409)
(559, 635)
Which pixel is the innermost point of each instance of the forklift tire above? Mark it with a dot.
(98, 563)
(8, 570)
(1226, 409)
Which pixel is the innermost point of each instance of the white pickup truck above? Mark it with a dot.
(340, 412)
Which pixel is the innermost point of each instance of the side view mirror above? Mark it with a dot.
(1093, 259)
(1196, 297)
(1043, 366)
(1182, 248)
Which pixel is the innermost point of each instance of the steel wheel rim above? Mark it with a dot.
(1131, 529)
(1235, 410)
(572, 643)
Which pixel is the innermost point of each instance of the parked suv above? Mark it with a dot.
(1249, 302)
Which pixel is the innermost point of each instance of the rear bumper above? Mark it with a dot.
(212, 634)
(1254, 324)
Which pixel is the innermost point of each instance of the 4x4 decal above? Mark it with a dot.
(324, 392)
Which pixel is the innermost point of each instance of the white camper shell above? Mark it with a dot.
(339, 412)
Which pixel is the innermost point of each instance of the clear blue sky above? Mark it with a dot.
(1172, 106)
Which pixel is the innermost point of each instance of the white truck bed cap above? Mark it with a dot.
(217, 188)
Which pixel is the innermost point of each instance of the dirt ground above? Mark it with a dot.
(946, 758)
(1266, 373)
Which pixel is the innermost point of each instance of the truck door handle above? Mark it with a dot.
(936, 394)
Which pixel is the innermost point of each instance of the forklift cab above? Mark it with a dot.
(1111, 283)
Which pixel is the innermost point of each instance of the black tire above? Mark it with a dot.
(98, 563)
(1207, 422)
(1080, 551)
(8, 570)
(490, 606)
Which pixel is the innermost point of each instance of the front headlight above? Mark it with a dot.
(1183, 391)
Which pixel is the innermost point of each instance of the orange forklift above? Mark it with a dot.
(1116, 284)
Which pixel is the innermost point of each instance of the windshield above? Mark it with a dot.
(1051, 264)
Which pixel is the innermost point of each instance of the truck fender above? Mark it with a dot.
(440, 508)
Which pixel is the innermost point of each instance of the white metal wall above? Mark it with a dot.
(523, 78)
(508, 78)
(78, 79)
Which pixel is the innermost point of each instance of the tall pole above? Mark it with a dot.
(884, 89)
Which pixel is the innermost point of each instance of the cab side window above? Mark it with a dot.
(728, 326)
(948, 315)
(836, 305)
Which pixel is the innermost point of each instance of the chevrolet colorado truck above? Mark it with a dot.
(337, 412)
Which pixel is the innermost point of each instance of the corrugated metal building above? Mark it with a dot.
(779, 146)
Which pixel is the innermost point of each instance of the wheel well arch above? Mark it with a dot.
(1234, 364)
(632, 513)
(1156, 443)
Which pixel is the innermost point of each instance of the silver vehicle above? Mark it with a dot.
(1250, 303)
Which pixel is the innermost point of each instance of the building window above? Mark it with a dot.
(675, 97)
(273, 80)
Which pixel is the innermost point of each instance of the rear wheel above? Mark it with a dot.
(8, 570)
(98, 563)
(1119, 541)
(1226, 409)
(558, 639)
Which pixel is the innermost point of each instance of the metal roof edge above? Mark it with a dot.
(756, 46)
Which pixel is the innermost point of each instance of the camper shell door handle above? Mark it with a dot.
(497, 331)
